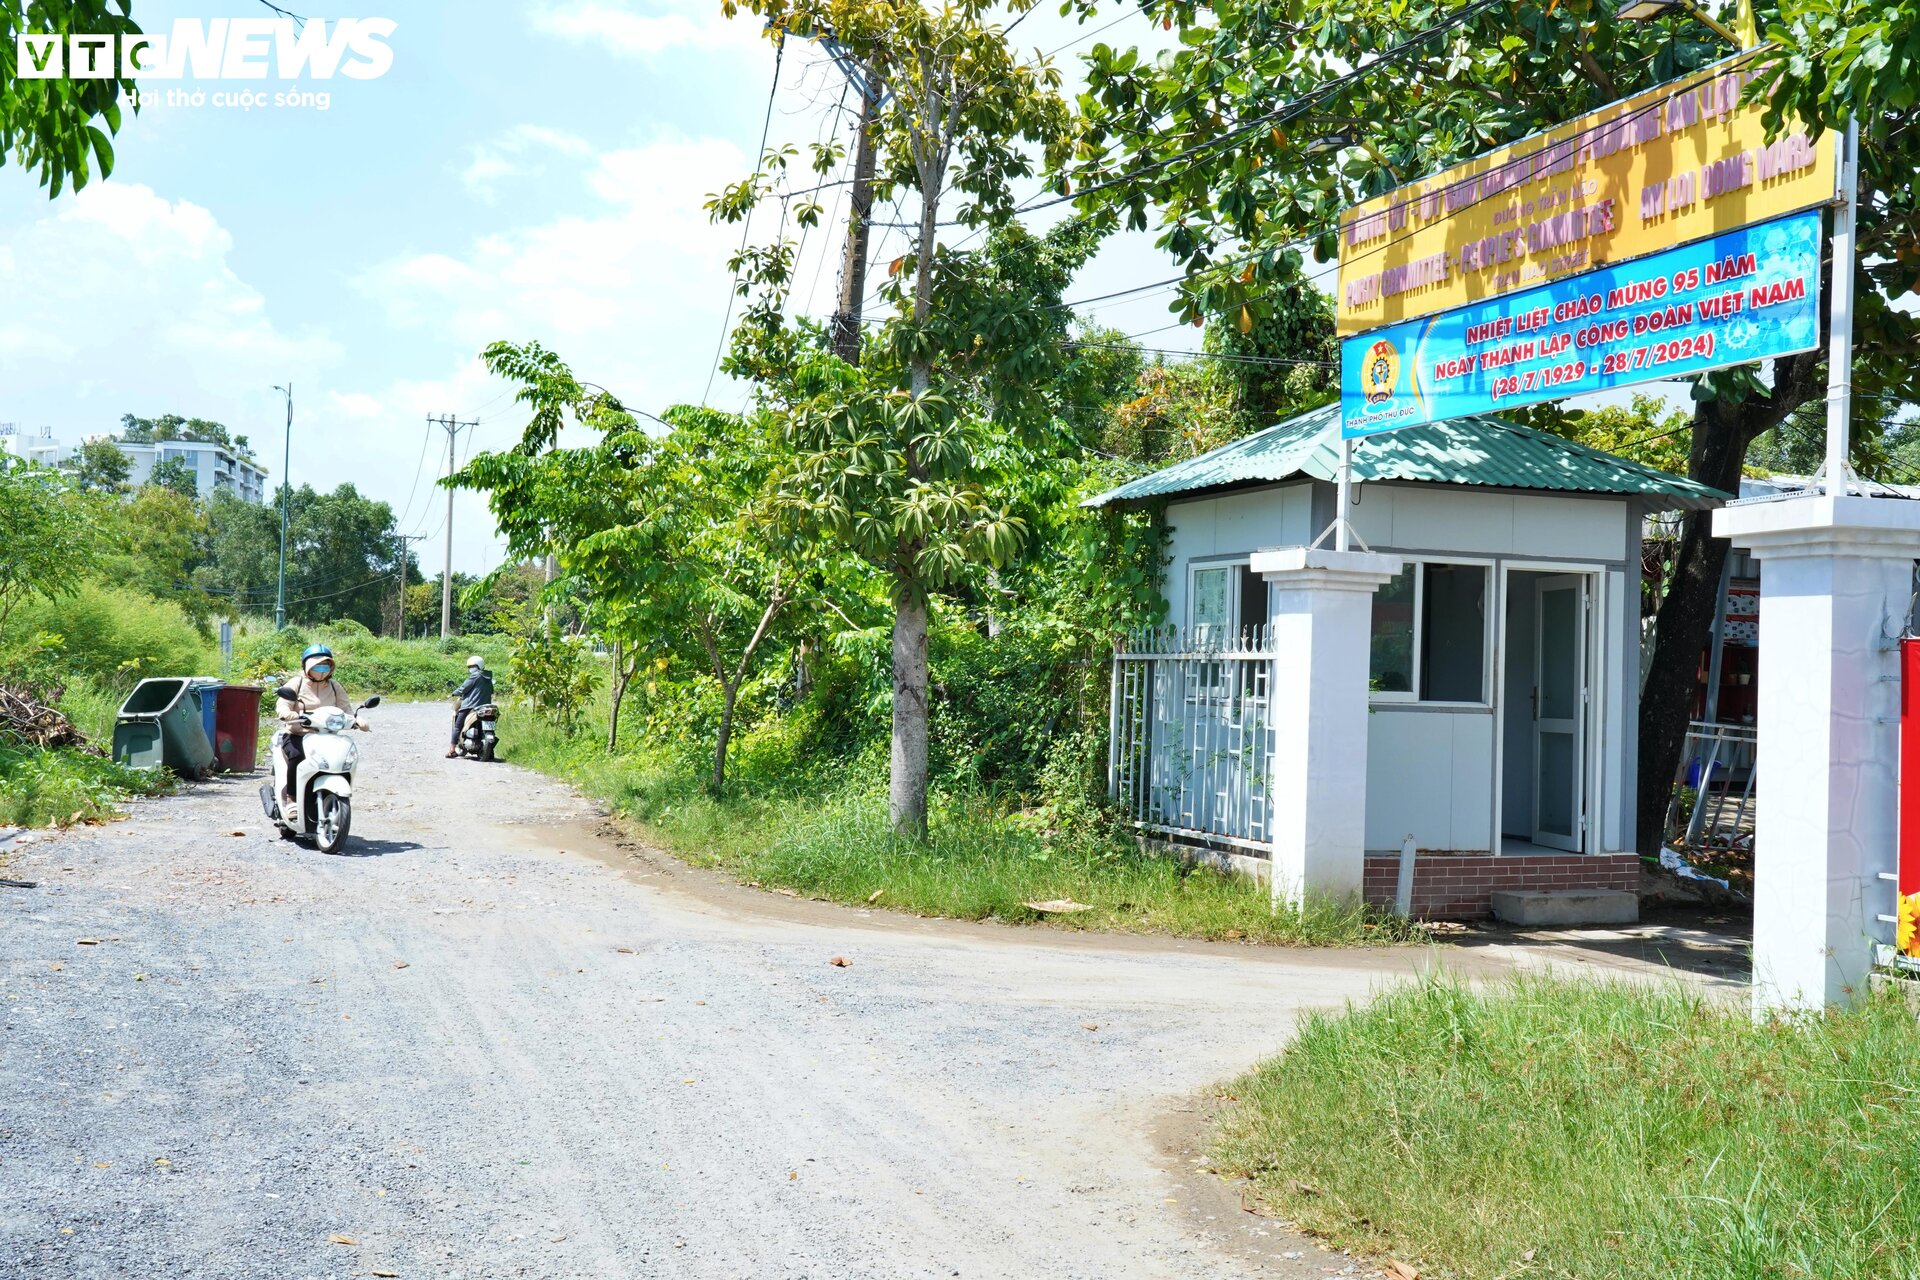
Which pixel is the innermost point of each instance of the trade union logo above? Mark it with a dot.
(1380, 373)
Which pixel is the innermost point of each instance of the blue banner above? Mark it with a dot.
(1746, 295)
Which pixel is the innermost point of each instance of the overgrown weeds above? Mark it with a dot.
(823, 832)
(63, 787)
(1592, 1130)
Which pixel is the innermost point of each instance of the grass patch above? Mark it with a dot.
(829, 838)
(38, 787)
(1593, 1130)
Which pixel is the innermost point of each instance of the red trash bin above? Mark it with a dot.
(236, 724)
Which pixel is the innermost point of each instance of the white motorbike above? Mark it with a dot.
(322, 806)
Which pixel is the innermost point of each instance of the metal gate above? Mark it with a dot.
(1191, 742)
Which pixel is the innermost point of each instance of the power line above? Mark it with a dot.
(418, 467)
(726, 322)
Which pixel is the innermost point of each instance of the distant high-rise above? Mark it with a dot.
(214, 466)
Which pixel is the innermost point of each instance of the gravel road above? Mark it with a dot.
(493, 1041)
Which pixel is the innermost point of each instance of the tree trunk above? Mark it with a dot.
(907, 784)
(728, 692)
(622, 677)
(1684, 624)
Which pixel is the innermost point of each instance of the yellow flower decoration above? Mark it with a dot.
(1906, 938)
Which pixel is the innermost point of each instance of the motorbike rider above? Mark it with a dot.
(474, 693)
(315, 689)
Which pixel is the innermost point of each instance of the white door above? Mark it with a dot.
(1559, 710)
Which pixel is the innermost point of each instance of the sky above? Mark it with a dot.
(525, 171)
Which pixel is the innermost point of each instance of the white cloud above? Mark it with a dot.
(625, 289)
(654, 29)
(121, 291)
(520, 152)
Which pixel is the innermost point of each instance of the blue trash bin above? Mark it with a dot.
(206, 690)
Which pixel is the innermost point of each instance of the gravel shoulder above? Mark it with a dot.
(493, 1041)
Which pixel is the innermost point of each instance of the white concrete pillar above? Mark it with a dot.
(1836, 582)
(1322, 625)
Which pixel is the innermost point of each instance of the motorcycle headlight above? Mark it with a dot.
(333, 720)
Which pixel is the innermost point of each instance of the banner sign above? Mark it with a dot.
(1677, 163)
(1745, 295)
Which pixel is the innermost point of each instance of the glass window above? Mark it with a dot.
(1453, 633)
(1391, 666)
(1430, 633)
(1209, 615)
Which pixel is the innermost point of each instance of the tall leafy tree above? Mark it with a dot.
(98, 466)
(890, 453)
(49, 533)
(666, 543)
(53, 126)
(1273, 117)
(175, 474)
(160, 538)
(342, 555)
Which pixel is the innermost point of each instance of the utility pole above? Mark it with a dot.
(853, 258)
(400, 583)
(286, 492)
(873, 91)
(452, 426)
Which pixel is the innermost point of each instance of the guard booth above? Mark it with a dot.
(1503, 653)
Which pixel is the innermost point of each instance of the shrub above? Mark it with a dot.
(111, 636)
(62, 787)
(367, 664)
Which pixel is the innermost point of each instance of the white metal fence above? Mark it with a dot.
(1191, 747)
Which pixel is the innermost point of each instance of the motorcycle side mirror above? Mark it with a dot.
(374, 701)
(288, 692)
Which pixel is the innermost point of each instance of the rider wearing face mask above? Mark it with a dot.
(315, 689)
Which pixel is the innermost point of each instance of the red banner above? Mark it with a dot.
(1909, 767)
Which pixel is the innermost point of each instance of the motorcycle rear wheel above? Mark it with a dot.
(334, 817)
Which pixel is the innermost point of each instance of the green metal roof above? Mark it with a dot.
(1482, 451)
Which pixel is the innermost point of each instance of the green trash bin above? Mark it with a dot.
(161, 723)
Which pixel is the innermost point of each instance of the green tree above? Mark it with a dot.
(175, 474)
(99, 466)
(160, 540)
(888, 451)
(342, 555)
(1255, 134)
(171, 426)
(48, 125)
(49, 534)
(665, 544)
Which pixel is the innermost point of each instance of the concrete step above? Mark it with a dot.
(1566, 906)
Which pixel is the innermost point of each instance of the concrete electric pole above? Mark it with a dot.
(452, 426)
(400, 583)
(286, 491)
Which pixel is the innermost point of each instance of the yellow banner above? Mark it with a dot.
(1672, 165)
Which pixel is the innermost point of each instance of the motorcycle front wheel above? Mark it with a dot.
(335, 816)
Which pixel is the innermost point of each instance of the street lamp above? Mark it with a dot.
(286, 464)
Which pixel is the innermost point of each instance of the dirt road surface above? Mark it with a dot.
(492, 1042)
